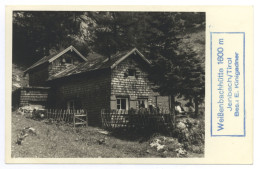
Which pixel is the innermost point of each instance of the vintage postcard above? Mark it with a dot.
(129, 84)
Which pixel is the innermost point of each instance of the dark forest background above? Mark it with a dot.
(173, 41)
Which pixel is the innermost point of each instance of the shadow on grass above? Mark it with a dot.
(136, 134)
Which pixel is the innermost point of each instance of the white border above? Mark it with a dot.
(132, 2)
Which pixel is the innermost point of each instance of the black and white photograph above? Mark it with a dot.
(108, 84)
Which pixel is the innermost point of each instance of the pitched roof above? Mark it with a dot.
(98, 64)
(53, 57)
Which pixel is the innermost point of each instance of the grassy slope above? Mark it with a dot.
(62, 141)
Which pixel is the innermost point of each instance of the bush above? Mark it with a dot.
(191, 133)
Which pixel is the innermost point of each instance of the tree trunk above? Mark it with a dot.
(196, 107)
(173, 104)
(173, 111)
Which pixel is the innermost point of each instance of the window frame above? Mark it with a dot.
(145, 102)
(120, 103)
(133, 71)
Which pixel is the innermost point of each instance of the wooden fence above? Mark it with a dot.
(76, 117)
(138, 119)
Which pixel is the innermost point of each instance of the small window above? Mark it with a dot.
(122, 103)
(69, 60)
(143, 103)
(131, 72)
(76, 62)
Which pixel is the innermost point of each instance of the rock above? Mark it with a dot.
(20, 138)
(160, 147)
(181, 125)
(42, 116)
(114, 146)
(32, 130)
(178, 109)
(19, 141)
(101, 141)
(103, 132)
(157, 145)
(18, 78)
(181, 152)
(17, 85)
(20, 111)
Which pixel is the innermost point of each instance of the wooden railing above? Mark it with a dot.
(76, 117)
(157, 120)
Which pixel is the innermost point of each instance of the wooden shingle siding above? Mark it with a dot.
(58, 65)
(98, 87)
(92, 92)
(31, 95)
(133, 87)
(39, 75)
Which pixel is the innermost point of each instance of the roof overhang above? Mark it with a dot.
(127, 55)
(70, 48)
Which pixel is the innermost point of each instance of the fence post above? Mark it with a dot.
(86, 118)
(63, 112)
(73, 118)
(102, 118)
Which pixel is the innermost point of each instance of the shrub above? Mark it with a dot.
(190, 132)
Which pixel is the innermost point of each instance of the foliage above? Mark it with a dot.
(191, 133)
(17, 77)
(177, 64)
(36, 33)
(178, 68)
(171, 40)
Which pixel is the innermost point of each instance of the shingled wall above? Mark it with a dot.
(96, 90)
(59, 65)
(30, 96)
(134, 87)
(89, 91)
(39, 74)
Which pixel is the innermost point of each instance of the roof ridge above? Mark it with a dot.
(53, 57)
(69, 68)
(97, 64)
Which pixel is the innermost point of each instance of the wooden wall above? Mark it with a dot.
(39, 75)
(134, 87)
(89, 91)
(59, 64)
(30, 96)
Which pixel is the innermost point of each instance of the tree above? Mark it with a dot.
(178, 68)
(117, 31)
(171, 40)
(193, 45)
(36, 33)
(160, 36)
(194, 79)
